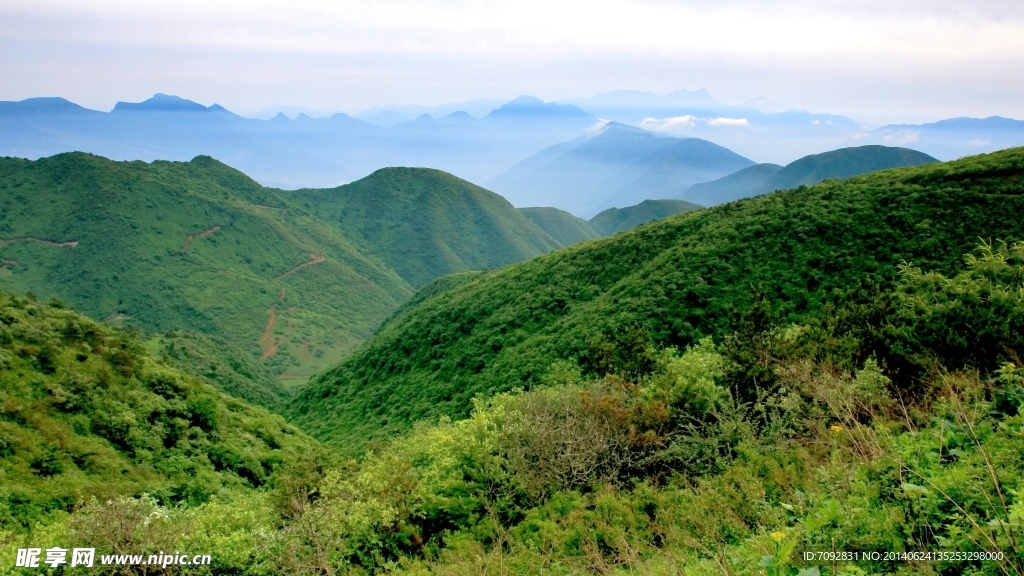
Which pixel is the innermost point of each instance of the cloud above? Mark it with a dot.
(673, 124)
(679, 123)
(727, 122)
(597, 128)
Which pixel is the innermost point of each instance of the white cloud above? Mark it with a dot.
(597, 128)
(676, 124)
(727, 122)
(673, 124)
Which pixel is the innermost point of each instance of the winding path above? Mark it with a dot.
(313, 259)
(283, 210)
(208, 232)
(267, 341)
(70, 243)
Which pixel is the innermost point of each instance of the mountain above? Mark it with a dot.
(565, 228)
(291, 153)
(673, 170)
(666, 284)
(426, 223)
(740, 184)
(615, 220)
(619, 166)
(194, 245)
(773, 134)
(88, 413)
(951, 138)
(842, 163)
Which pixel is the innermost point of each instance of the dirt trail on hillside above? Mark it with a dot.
(8, 262)
(283, 210)
(267, 342)
(208, 232)
(70, 243)
(313, 259)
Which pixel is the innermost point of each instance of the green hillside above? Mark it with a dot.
(190, 245)
(615, 220)
(426, 223)
(565, 228)
(221, 365)
(843, 163)
(666, 284)
(86, 412)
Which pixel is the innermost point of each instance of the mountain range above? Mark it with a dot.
(617, 166)
(289, 153)
(294, 280)
(292, 147)
(667, 284)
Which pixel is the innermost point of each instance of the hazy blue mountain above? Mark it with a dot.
(565, 228)
(952, 138)
(769, 134)
(619, 166)
(741, 184)
(615, 220)
(385, 118)
(478, 108)
(837, 164)
(290, 153)
(671, 171)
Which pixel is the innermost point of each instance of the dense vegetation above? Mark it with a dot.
(670, 283)
(615, 220)
(426, 223)
(738, 455)
(220, 365)
(86, 411)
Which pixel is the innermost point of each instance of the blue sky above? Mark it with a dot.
(877, 61)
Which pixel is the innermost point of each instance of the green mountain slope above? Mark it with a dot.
(426, 223)
(844, 163)
(615, 220)
(87, 412)
(764, 178)
(190, 245)
(220, 364)
(742, 184)
(668, 283)
(565, 228)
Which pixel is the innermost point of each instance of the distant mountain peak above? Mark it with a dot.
(532, 106)
(164, 103)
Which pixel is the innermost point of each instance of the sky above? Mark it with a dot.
(878, 61)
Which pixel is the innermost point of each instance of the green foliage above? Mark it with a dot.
(84, 410)
(219, 364)
(565, 228)
(426, 223)
(975, 318)
(615, 220)
(778, 259)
